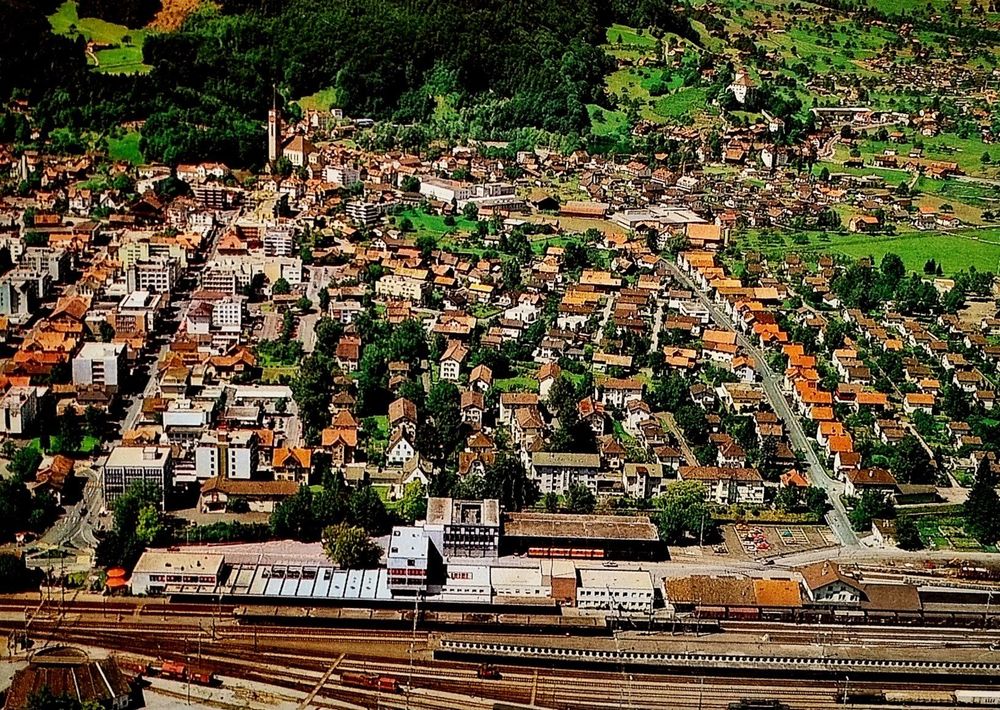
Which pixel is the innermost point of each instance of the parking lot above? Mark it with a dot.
(758, 541)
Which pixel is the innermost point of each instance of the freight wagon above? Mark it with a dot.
(371, 681)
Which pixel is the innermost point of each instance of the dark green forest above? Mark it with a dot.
(503, 64)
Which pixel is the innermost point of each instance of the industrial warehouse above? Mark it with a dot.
(459, 558)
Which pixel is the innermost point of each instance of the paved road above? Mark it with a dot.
(837, 517)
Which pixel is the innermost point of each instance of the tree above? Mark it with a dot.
(149, 527)
(580, 499)
(70, 434)
(122, 546)
(281, 287)
(94, 422)
(293, 517)
(237, 504)
(350, 547)
(982, 504)
(426, 243)
(788, 498)
(550, 501)
(443, 433)
(907, 534)
(15, 576)
(24, 463)
(311, 391)
(871, 505)
(817, 500)
(413, 505)
(892, 268)
(683, 512)
(410, 183)
(507, 480)
(106, 331)
(366, 509)
(406, 224)
(910, 463)
(470, 211)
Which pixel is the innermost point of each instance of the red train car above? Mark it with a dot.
(383, 683)
(172, 670)
(488, 671)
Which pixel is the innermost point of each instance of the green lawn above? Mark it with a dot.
(126, 147)
(424, 223)
(322, 100)
(381, 426)
(953, 252)
(605, 122)
(126, 59)
(122, 58)
(271, 375)
(516, 384)
(88, 444)
(630, 37)
(685, 102)
(947, 533)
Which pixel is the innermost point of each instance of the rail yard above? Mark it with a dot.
(339, 664)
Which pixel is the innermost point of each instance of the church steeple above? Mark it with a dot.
(274, 129)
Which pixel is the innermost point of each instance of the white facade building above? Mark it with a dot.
(615, 590)
(99, 364)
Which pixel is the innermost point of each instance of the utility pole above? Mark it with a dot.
(413, 643)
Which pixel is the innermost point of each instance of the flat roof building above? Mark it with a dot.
(464, 528)
(593, 536)
(128, 464)
(615, 590)
(165, 572)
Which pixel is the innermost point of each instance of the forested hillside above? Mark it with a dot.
(497, 64)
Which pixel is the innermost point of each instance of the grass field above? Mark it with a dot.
(126, 147)
(686, 102)
(88, 444)
(954, 251)
(272, 375)
(622, 35)
(424, 223)
(126, 59)
(947, 533)
(322, 100)
(516, 384)
(121, 58)
(605, 122)
(945, 147)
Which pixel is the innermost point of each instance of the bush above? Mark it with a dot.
(15, 576)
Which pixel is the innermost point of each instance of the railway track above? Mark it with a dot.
(298, 663)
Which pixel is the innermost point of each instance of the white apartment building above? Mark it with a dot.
(128, 464)
(400, 287)
(158, 275)
(445, 190)
(99, 365)
(279, 241)
(364, 213)
(225, 454)
(614, 590)
(20, 408)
